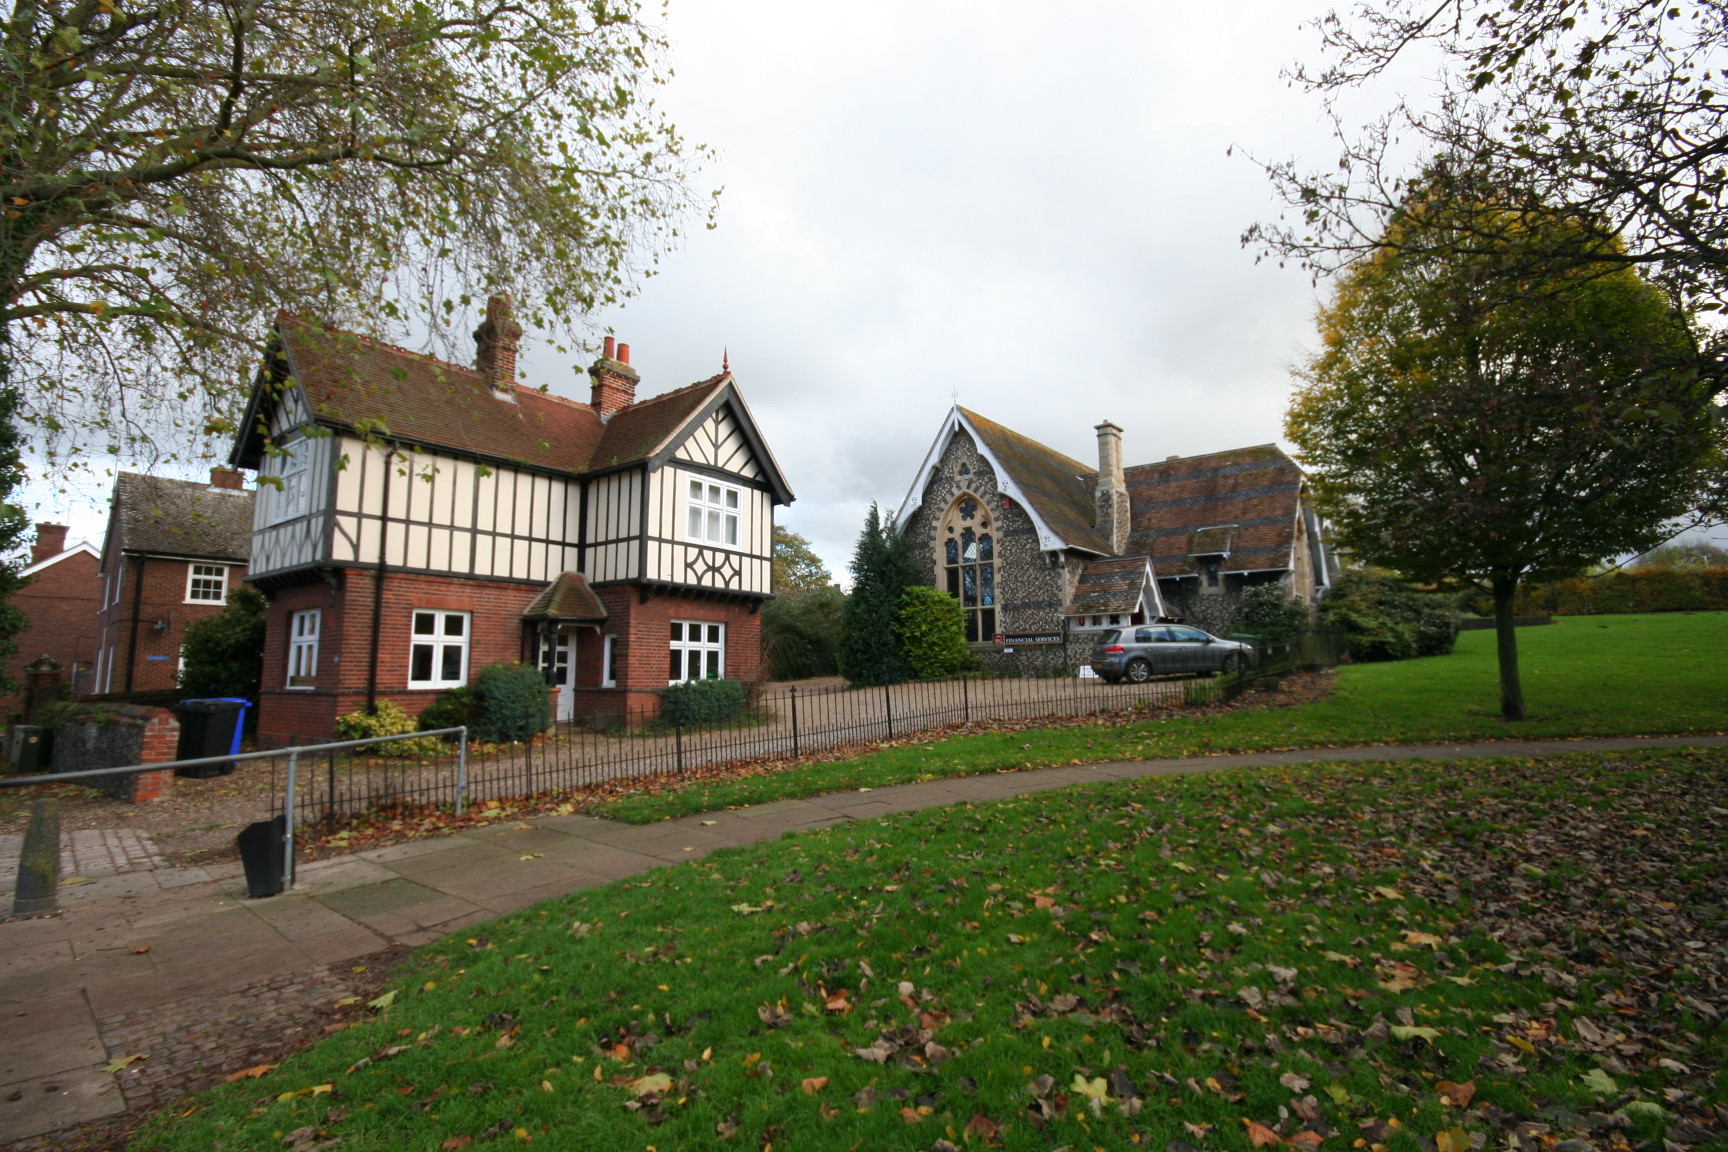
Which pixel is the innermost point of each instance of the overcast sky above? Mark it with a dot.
(1031, 208)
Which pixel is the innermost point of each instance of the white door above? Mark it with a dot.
(558, 658)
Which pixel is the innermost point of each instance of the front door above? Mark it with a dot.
(558, 659)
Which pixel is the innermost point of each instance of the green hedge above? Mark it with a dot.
(515, 704)
(1646, 590)
(704, 702)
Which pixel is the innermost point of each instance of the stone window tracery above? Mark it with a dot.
(968, 562)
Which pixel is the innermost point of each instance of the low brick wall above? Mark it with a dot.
(112, 736)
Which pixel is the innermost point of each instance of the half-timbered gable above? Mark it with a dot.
(1042, 549)
(399, 484)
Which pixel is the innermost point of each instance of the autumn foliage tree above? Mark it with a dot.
(172, 172)
(1482, 417)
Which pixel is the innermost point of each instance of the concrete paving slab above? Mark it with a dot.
(485, 889)
(298, 917)
(391, 895)
(52, 1102)
(462, 853)
(405, 851)
(343, 945)
(35, 1054)
(574, 824)
(334, 875)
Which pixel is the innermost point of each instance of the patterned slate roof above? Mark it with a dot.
(566, 598)
(1053, 484)
(1253, 493)
(356, 383)
(168, 517)
(1112, 585)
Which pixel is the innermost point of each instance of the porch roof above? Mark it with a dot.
(566, 598)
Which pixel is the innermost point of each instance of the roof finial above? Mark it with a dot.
(725, 359)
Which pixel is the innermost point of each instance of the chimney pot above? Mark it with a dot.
(50, 542)
(614, 380)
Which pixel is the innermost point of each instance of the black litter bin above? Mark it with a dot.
(209, 728)
(262, 847)
(31, 746)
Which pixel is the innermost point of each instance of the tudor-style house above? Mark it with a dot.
(1043, 551)
(419, 520)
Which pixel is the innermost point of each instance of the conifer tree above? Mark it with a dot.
(881, 569)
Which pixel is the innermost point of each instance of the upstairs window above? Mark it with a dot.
(293, 497)
(438, 656)
(711, 515)
(207, 584)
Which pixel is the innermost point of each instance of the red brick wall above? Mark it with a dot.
(60, 603)
(495, 635)
(163, 597)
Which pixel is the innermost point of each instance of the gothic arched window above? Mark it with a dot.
(969, 566)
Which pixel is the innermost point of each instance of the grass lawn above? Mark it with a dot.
(1583, 676)
(1398, 958)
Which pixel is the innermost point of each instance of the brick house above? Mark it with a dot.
(173, 552)
(419, 520)
(1043, 551)
(59, 604)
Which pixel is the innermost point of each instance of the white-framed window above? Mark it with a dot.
(107, 677)
(206, 583)
(114, 579)
(608, 662)
(291, 499)
(698, 651)
(711, 513)
(303, 629)
(438, 654)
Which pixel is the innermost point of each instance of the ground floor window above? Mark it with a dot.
(698, 651)
(303, 628)
(439, 655)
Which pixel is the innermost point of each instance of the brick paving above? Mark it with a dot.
(174, 965)
(88, 853)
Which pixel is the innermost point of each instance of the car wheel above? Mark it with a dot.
(1139, 671)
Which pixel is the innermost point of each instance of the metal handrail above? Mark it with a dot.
(293, 754)
(92, 773)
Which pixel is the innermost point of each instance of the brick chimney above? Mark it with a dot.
(614, 379)
(495, 343)
(50, 542)
(1110, 497)
(228, 478)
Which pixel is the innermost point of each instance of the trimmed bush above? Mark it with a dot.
(704, 702)
(515, 704)
(387, 718)
(453, 709)
(1270, 612)
(931, 629)
(1385, 619)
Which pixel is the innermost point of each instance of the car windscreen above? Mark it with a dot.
(1109, 636)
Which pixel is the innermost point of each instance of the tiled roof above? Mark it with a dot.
(354, 382)
(1251, 493)
(182, 518)
(566, 598)
(1112, 585)
(1052, 483)
(641, 429)
(1213, 541)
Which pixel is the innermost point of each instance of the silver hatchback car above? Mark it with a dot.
(1137, 654)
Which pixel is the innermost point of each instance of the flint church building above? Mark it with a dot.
(418, 520)
(1043, 551)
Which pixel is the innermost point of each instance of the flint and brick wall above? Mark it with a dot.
(60, 604)
(1031, 591)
